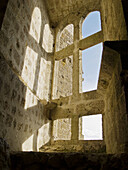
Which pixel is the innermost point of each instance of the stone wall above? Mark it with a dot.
(4, 155)
(66, 117)
(22, 116)
(26, 43)
(115, 119)
(3, 6)
(113, 22)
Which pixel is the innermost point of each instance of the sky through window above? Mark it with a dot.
(91, 61)
(91, 57)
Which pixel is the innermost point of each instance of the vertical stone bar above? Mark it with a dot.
(75, 129)
(54, 70)
(75, 78)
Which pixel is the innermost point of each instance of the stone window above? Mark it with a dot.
(91, 57)
(70, 50)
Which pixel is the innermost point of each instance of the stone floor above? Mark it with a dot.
(68, 161)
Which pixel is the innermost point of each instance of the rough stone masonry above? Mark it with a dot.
(41, 98)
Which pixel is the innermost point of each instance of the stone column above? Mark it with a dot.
(75, 129)
(75, 78)
(55, 67)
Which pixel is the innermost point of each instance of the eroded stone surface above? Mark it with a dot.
(4, 155)
(28, 39)
(68, 161)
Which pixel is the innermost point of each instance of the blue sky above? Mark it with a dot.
(92, 127)
(91, 57)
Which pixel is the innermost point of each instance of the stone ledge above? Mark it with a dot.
(83, 147)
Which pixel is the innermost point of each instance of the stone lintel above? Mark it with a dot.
(91, 40)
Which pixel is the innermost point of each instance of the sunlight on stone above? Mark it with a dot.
(62, 129)
(43, 135)
(35, 27)
(47, 43)
(42, 87)
(28, 144)
(29, 68)
(65, 37)
(30, 99)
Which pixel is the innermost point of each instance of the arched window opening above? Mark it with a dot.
(92, 24)
(91, 57)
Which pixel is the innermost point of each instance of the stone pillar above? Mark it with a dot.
(75, 129)
(55, 67)
(75, 78)
(120, 125)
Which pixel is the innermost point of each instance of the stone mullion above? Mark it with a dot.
(75, 129)
(53, 84)
(75, 78)
(75, 83)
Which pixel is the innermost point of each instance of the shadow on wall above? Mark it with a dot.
(28, 52)
(21, 115)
